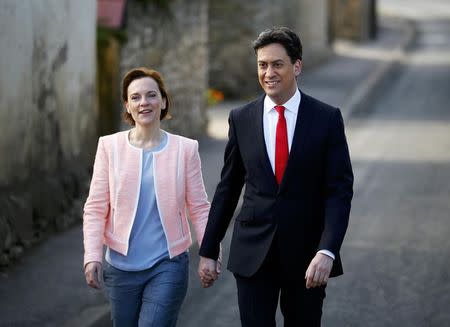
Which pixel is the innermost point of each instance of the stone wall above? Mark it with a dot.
(312, 23)
(235, 24)
(353, 19)
(47, 115)
(108, 82)
(171, 37)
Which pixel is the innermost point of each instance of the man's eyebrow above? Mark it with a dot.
(277, 61)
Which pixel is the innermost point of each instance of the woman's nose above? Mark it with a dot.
(144, 101)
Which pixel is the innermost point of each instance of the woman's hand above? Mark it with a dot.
(93, 274)
(207, 271)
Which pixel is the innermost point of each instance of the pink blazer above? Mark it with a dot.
(111, 206)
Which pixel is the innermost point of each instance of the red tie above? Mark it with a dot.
(281, 145)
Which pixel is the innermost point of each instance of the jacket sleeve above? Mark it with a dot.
(96, 208)
(339, 186)
(196, 198)
(226, 196)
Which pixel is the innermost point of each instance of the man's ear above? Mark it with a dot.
(298, 67)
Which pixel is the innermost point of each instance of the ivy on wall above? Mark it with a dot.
(163, 4)
(104, 35)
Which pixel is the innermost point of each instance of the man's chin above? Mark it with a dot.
(274, 96)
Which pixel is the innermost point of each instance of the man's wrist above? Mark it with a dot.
(327, 253)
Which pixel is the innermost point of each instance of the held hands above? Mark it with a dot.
(208, 271)
(93, 274)
(318, 270)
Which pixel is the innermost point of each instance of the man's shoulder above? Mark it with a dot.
(310, 101)
(247, 107)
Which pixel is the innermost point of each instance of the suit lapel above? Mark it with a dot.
(257, 116)
(302, 127)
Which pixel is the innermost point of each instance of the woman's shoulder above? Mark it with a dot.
(117, 134)
(182, 139)
(110, 137)
(111, 141)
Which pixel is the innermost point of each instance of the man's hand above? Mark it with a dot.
(208, 271)
(318, 271)
(93, 274)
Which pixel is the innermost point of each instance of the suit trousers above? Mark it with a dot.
(258, 296)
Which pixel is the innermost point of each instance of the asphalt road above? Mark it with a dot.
(396, 252)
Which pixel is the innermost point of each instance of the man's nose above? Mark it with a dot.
(269, 71)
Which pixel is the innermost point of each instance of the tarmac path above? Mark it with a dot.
(396, 252)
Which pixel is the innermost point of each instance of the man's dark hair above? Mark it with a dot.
(284, 36)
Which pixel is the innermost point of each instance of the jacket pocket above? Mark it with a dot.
(180, 222)
(112, 220)
(246, 216)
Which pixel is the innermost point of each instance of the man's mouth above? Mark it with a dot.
(272, 83)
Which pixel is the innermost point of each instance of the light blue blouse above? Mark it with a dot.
(147, 243)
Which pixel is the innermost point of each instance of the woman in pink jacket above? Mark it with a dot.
(145, 183)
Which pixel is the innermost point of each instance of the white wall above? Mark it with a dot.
(47, 85)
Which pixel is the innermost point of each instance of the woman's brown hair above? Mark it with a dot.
(141, 72)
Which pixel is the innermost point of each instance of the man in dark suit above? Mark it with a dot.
(290, 152)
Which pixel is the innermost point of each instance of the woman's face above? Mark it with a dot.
(144, 102)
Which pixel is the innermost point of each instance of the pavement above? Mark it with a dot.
(46, 287)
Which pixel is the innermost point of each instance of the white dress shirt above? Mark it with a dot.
(270, 119)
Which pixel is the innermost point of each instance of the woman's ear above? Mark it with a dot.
(125, 105)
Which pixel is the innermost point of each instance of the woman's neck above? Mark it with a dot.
(145, 137)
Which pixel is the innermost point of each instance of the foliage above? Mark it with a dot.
(104, 34)
(162, 4)
(214, 97)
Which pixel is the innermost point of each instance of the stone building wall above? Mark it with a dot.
(353, 19)
(313, 25)
(235, 24)
(47, 115)
(171, 37)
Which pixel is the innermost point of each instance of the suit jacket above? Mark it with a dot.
(307, 212)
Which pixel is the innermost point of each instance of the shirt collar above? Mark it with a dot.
(291, 105)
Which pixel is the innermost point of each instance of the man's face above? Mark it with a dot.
(276, 73)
